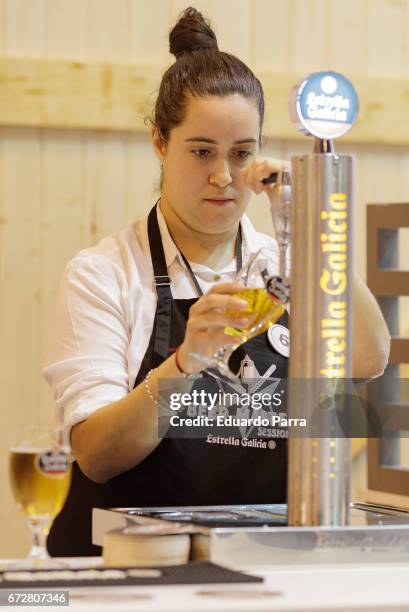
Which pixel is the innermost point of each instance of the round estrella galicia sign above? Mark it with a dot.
(324, 104)
(279, 338)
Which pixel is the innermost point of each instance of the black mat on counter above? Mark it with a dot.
(195, 572)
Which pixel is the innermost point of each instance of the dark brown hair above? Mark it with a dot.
(200, 70)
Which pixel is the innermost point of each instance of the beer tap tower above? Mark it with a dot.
(324, 105)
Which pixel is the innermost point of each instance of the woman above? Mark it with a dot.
(164, 284)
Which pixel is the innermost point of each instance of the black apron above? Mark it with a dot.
(180, 471)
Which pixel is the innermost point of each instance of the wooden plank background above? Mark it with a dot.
(116, 96)
(61, 190)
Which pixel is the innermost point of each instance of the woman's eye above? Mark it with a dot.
(244, 154)
(201, 152)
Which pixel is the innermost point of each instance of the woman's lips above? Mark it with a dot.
(219, 202)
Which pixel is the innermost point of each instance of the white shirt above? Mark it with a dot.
(105, 313)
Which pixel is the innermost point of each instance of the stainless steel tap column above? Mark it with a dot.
(321, 308)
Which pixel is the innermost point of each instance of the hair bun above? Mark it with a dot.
(191, 33)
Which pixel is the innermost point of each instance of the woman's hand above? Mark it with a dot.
(261, 168)
(208, 317)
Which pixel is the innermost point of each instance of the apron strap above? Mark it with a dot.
(161, 280)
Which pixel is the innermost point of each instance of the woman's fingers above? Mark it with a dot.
(217, 320)
(213, 340)
(231, 287)
(215, 301)
(261, 168)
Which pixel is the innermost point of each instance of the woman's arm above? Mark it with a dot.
(120, 435)
(370, 335)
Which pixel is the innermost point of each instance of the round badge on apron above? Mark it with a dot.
(279, 338)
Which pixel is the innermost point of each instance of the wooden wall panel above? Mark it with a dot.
(270, 34)
(140, 163)
(347, 46)
(104, 174)
(234, 20)
(381, 177)
(62, 190)
(309, 35)
(107, 27)
(20, 259)
(65, 32)
(387, 30)
(108, 95)
(148, 32)
(23, 27)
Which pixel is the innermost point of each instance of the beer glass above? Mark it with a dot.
(266, 294)
(40, 476)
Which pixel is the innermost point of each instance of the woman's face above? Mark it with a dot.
(202, 159)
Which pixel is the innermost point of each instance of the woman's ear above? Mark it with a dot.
(159, 145)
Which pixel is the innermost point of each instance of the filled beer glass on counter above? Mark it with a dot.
(40, 476)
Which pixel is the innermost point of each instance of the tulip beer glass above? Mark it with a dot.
(40, 476)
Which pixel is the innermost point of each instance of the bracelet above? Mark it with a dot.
(147, 385)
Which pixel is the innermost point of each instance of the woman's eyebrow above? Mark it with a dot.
(210, 141)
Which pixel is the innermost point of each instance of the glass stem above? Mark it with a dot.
(283, 247)
(39, 529)
(222, 357)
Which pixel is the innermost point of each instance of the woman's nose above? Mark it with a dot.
(220, 175)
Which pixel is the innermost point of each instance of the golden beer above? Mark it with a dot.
(262, 311)
(40, 480)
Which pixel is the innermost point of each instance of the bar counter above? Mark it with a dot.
(380, 587)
